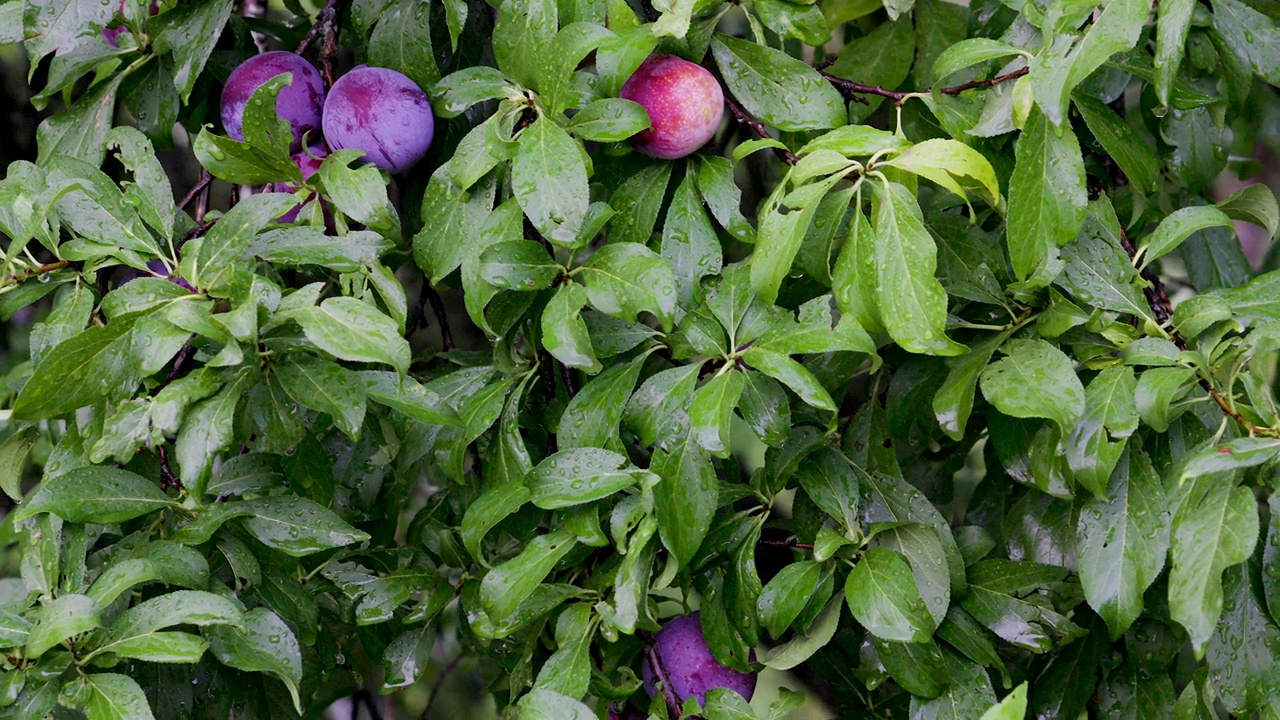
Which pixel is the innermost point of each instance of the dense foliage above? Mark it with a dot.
(937, 378)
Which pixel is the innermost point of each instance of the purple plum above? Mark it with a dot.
(682, 660)
(684, 102)
(381, 112)
(308, 161)
(157, 269)
(299, 102)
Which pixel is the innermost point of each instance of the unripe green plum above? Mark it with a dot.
(684, 102)
(682, 660)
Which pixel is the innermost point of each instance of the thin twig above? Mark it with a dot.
(205, 179)
(437, 309)
(326, 26)
(852, 90)
(181, 363)
(196, 231)
(570, 380)
(40, 270)
(167, 478)
(435, 686)
(786, 543)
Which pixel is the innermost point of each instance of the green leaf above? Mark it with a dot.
(1136, 159)
(1057, 71)
(564, 334)
(711, 410)
(765, 408)
(145, 620)
(450, 224)
(1256, 204)
(265, 644)
(786, 595)
(350, 329)
(80, 131)
(402, 41)
(360, 193)
(460, 90)
(188, 32)
(1215, 526)
(13, 458)
(1012, 707)
(85, 368)
(592, 416)
(637, 202)
(793, 20)
(507, 585)
(918, 667)
(488, 510)
(953, 403)
(609, 120)
(685, 499)
(208, 429)
(971, 51)
(1122, 541)
(1173, 20)
(297, 526)
(116, 697)
(1178, 226)
(831, 483)
(774, 87)
(783, 223)
(1246, 647)
(1035, 379)
(952, 165)
(1046, 195)
(406, 395)
(801, 647)
(60, 619)
(653, 412)
(689, 242)
(1110, 412)
(230, 238)
(622, 279)
(1157, 389)
(1250, 35)
(1132, 692)
(95, 494)
(162, 560)
(1005, 596)
(325, 387)
(521, 265)
(149, 190)
(573, 477)
(297, 246)
(912, 303)
(1238, 453)
(550, 705)
(568, 670)
(549, 179)
(522, 38)
(792, 374)
(882, 594)
(882, 57)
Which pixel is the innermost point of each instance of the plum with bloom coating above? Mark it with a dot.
(686, 666)
(381, 112)
(299, 102)
(308, 161)
(684, 102)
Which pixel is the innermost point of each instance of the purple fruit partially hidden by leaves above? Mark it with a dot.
(624, 714)
(157, 269)
(682, 660)
(308, 161)
(299, 102)
(381, 112)
(684, 102)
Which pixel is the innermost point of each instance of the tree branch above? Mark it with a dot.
(852, 90)
(326, 26)
(205, 179)
(435, 686)
(21, 277)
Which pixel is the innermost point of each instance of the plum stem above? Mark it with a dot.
(853, 90)
(327, 26)
(428, 295)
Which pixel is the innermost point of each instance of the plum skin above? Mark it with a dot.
(299, 102)
(687, 665)
(381, 112)
(308, 161)
(684, 102)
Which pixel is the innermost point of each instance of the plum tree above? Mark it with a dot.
(684, 102)
(300, 102)
(686, 667)
(381, 112)
(308, 161)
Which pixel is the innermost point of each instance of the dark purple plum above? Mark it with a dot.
(157, 269)
(381, 112)
(682, 660)
(299, 102)
(308, 161)
(684, 102)
(624, 713)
